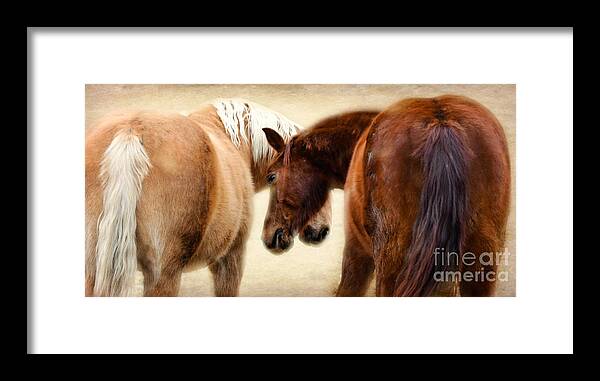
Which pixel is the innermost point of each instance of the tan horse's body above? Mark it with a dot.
(193, 205)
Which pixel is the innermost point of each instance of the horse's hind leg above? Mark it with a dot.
(227, 271)
(387, 269)
(90, 261)
(357, 270)
(481, 273)
(90, 270)
(90, 276)
(388, 253)
(147, 262)
(168, 281)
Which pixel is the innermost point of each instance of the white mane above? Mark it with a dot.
(244, 121)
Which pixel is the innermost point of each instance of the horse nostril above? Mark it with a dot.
(277, 237)
(323, 233)
(309, 233)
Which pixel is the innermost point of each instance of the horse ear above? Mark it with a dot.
(274, 139)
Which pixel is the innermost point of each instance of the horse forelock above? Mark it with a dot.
(243, 122)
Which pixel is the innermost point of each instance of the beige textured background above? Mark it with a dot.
(304, 270)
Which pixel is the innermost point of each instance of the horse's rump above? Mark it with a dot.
(181, 194)
(425, 191)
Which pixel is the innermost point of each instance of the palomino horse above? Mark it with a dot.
(427, 188)
(174, 193)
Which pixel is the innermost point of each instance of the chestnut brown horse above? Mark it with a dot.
(170, 193)
(427, 189)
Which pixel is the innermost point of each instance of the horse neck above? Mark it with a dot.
(258, 165)
(243, 121)
(258, 168)
(330, 144)
(335, 158)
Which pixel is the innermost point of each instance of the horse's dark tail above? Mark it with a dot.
(439, 228)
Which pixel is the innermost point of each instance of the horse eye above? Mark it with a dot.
(270, 178)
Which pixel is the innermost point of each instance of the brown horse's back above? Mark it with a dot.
(436, 173)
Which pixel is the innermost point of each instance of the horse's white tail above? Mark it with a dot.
(123, 168)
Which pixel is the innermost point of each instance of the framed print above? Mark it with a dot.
(255, 191)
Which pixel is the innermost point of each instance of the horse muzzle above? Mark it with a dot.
(314, 236)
